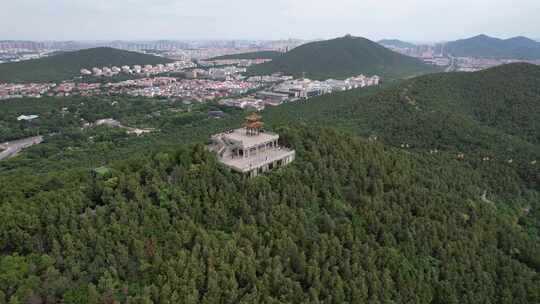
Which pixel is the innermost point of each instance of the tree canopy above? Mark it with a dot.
(424, 191)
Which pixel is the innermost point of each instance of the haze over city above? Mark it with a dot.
(412, 20)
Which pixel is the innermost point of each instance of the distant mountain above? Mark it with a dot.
(341, 58)
(521, 41)
(65, 66)
(490, 47)
(251, 55)
(396, 43)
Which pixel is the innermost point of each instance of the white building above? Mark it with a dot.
(27, 117)
(250, 150)
(97, 72)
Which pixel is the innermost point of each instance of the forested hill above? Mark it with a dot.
(505, 99)
(65, 66)
(342, 58)
(485, 46)
(437, 201)
(351, 221)
(492, 114)
(251, 55)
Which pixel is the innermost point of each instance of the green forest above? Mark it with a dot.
(67, 65)
(423, 191)
(341, 58)
(493, 113)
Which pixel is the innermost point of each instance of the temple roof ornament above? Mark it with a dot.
(253, 124)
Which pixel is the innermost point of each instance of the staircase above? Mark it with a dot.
(221, 147)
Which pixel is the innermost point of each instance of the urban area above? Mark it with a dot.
(190, 80)
(436, 54)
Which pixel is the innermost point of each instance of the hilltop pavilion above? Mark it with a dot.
(251, 150)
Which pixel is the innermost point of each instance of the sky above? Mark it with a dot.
(411, 20)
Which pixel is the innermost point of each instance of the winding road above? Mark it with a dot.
(11, 148)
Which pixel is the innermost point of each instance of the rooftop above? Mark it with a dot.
(242, 164)
(240, 137)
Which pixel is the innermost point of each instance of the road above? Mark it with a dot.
(11, 148)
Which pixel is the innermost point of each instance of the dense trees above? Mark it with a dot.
(68, 145)
(491, 114)
(70, 113)
(342, 58)
(65, 66)
(349, 221)
(393, 217)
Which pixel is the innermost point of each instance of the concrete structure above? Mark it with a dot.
(250, 150)
(273, 96)
(27, 117)
(97, 72)
(10, 149)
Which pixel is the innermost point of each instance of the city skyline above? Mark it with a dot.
(410, 20)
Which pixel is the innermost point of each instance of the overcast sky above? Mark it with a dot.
(413, 20)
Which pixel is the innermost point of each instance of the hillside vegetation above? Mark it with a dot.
(371, 219)
(493, 113)
(505, 99)
(485, 46)
(342, 58)
(349, 221)
(65, 66)
(251, 55)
